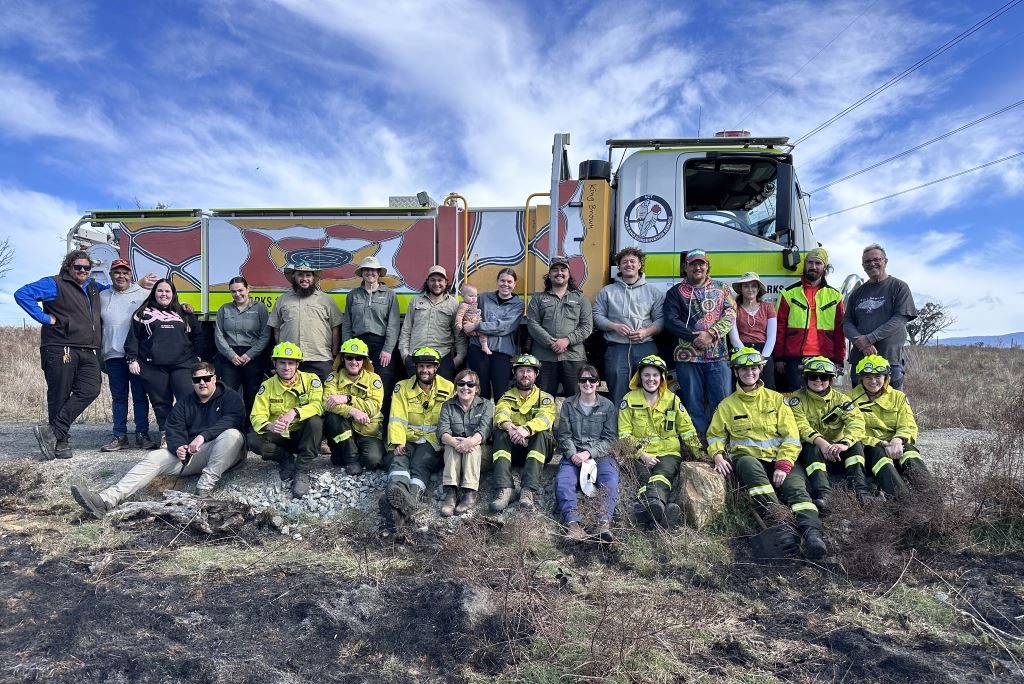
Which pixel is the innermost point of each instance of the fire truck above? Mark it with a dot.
(733, 195)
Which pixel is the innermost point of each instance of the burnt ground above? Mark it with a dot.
(83, 602)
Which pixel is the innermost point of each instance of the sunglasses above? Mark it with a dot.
(466, 383)
(588, 381)
(80, 267)
(196, 379)
(353, 358)
(818, 376)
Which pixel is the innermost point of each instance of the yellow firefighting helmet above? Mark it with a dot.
(819, 364)
(286, 350)
(355, 347)
(426, 355)
(746, 356)
(526, 361)
(873, 364)
(654, 361)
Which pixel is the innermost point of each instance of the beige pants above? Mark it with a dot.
(463, 470)
(212, 460)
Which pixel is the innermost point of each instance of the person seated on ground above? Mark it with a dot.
(587, 425)
(354, 394)
(753, 431)
(524, 416)
(204, 435)
(413, 449)
(287, 417)
(890, 429)
(831, 427)
(464, 425)
(655, 417)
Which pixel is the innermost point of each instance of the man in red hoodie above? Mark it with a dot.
(810, 321)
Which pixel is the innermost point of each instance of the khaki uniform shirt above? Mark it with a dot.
(307, 322)
(432, 325)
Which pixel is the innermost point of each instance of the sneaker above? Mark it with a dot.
(526, 500)
(90, 501)
(62, 449)
(300, 484)
(115, 444)
(575, 532)
(46, 440)
(144, 441)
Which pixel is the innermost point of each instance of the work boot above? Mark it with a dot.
(115, 444)
(575, 532)
(90, 501)
(526, 500)
(300, 484)
(62, 449)
(353, 469)
(204, 492)
(467, 502)
(325, 447)
(641, 514)
(404, 497)
(814, 545)
(821, 506)
(657, 507)
(144, 441)
(605, 532)
(448, 505)
(286, 467)
(502, 498)
(46, 440)
(673, 514)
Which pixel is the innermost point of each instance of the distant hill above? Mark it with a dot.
(1008, 340)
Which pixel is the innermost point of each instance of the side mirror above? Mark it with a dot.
(791, 258)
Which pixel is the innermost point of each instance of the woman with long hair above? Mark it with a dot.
(163, 343)
(501, 312)
(241, 335)
(755, 322)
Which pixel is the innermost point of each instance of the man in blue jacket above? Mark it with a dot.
(204, 435)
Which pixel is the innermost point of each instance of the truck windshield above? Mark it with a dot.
(738, 193)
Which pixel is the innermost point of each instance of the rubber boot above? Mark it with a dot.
(502, 498)
(448, 505)
(814, 545)
(467, 502)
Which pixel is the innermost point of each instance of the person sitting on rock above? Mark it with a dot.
(523, 416)
(414, 452)
(287, 417)
(655, 417)
(831, 427)
(890, 429)
(753, 431)
(352, 419)
(204, 435)
(587, 425)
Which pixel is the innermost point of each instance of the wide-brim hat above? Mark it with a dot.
(588, 477)
(370, 262)
(749, 277)
(300, 267)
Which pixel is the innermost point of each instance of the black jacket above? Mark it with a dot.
(77, 313)
(164, 339)
(190, 417)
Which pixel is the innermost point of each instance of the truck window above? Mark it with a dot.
(736, 193)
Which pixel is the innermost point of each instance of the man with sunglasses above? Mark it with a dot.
(67, 305)
(353, 418)
(524, 417)
(204, 436)
(877, 314)
(414, 451)
(831, 429)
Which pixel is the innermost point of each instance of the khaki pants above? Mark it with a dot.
(212, 460)
(463, 470)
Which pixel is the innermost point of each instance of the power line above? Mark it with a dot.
(906, 72)
(923, 185)
(797, 72)
(918, 147)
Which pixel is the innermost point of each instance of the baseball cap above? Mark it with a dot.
(818, 253)
(120, 263)
(696, 255)
(558, 261)
(439, 270)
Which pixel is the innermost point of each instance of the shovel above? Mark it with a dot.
(778, 542)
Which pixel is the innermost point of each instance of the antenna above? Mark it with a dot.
(700, 112)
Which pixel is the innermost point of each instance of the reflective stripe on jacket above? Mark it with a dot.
(658, 427)
(794, 318)
(367, 392)
(833, 416)
(535, 411)
(306, 394)
(414, 413)
(888, 415)
(757, 424)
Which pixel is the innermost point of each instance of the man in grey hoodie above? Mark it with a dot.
(117, 306)
(629, 311)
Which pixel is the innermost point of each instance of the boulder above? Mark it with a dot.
(700, 493)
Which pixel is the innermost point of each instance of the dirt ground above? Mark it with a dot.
(89, 601)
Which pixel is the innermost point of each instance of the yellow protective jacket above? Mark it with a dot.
(833, 416)
(306, 393)
(535, 411)
(367, 392)
(757, 424)
(658, 427)
(414, 413)
(888, 415)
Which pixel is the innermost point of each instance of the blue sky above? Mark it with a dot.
(307, 103)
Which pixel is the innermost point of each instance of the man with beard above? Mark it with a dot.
(560, 320)
(879, 311)
(700, 312)
(414, 451)
(810, 321)
(524, 417)
(309, 318)
(430, 322)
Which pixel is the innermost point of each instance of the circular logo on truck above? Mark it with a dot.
(648, 218)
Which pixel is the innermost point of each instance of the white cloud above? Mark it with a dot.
(51, 31)
(31, 110)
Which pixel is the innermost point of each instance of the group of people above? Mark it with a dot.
(335, 383)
